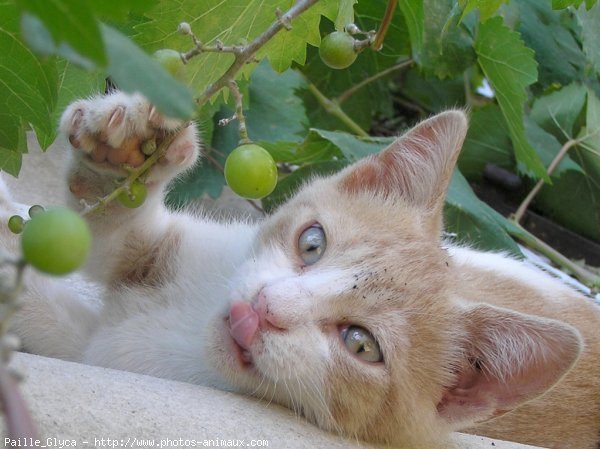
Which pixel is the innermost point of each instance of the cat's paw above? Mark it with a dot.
(110, 131)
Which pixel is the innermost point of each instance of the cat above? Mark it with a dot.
(346, 304)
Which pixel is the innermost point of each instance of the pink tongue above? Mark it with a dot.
(243, 323)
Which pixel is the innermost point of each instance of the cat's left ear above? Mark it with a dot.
(417, 166)
(509, 358)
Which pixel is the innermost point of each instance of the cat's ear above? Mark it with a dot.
(417, 166)
(509, 358)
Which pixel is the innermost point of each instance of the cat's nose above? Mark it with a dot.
(267, 320)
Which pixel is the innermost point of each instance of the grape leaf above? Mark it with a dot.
(574, 199)
(345, 14)
(562, 4)
(353, 148)
(487, 142)
(486, 8)
(247, 19)
(415, 22)
(287, 187)
(432, 93)
(475, 222)
(510, 67)
(71, 23)
(447, 53)
(547, 147)
(558, 111)
(27, 84)
(135, 71)
(589, 152)
(276, 113)
(560, 59)
(590, 34)
(121, 9)
(11, 158)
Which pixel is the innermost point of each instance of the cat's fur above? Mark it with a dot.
(470, 340)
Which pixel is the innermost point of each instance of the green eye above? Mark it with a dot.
(312, 244)
(362, 344)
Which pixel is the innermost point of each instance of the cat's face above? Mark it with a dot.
(344, 311)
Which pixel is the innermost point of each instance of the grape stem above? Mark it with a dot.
(385, 24)
(239, 112)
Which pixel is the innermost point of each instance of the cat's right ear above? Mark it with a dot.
(417, 166)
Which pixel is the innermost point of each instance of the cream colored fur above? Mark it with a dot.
(470, 340)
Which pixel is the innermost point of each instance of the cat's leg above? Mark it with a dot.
(131, 247)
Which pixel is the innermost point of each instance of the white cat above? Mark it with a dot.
(344, 305)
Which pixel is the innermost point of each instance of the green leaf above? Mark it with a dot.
(447, 53)
(288, 186)
(487, 142)
(574, 199)
(547, 147)
(557, 112)
(415, 22)
(27, 85)
(71, 23)
(120, 10)
(562, 4)
(487, 8)
(589, 152)
(232, 22)
(475, 222)
(353, 148)
(275, 112)
(135, 71)
(560, 59)
(11, 158)
(590, 34)
(510, 67)
(434, 94)
(345, 15)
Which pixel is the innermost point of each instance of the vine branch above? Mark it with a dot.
(334, 109)
(582, 274)
(352, 90)
(248, 52)
(518, 216)
(134, 174)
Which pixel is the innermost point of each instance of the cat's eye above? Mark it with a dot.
(312, 244)
(362, 344)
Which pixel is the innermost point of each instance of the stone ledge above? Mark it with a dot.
(74, 401)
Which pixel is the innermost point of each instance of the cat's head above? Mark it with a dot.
(345, 311)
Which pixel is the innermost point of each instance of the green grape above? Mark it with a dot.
(135, 197)
(337, 50)
(171, 61)
(16, 224)
(250, 171)
(56, 241)
(35, 209)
